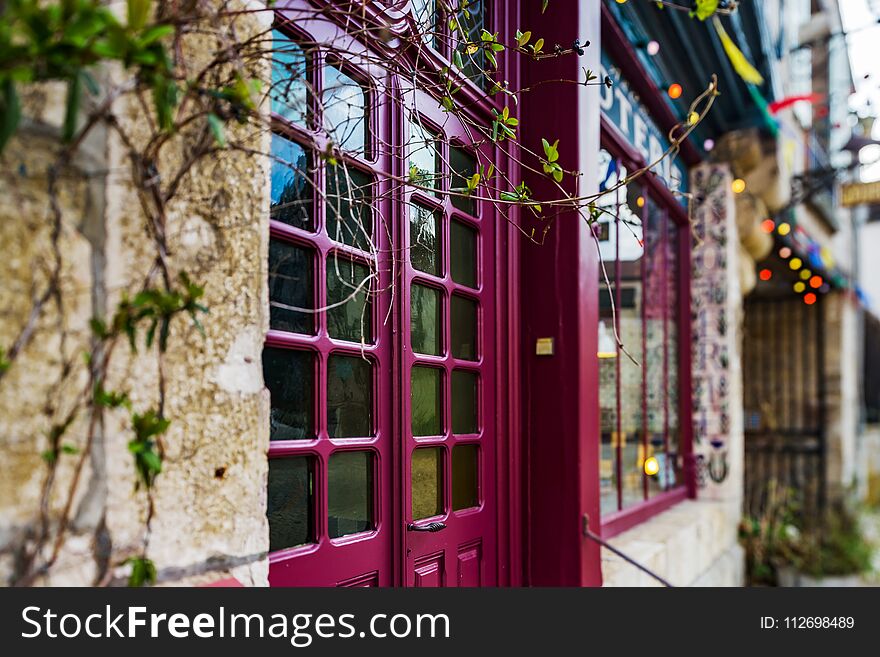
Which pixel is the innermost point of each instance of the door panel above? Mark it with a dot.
(448, 354)
(470, 561)
(329, 373)
(430, 571)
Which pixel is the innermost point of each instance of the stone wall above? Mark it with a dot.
(692, 544)
(209, 520)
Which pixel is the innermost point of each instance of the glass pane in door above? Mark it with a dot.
(427, 482)
(350, 493)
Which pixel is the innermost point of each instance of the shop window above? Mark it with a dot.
(640, 455)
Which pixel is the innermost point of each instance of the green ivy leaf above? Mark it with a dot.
(143, 571)
(217, 129)
(138, 13)
(74, 93)
(154, 33)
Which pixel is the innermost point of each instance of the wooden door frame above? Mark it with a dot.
(508, 472)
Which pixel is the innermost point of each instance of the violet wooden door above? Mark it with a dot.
(332, 519)
(448, 361)
(380, 429)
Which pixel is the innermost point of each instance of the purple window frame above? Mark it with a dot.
(624, 518)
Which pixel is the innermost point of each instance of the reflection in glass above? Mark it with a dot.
(289, 502)
(350, 493)
(349, 397)
(349, 206)
(473, 23)
(290, 377)
(464, 477)
(347, 284)
(290, 85)
(424, 239)
(672, 377)
(291, 285)
(463, 316)
(291, 193)
(463, 252)
(427, 482)
(425, 401)
(344, 103)
(464, 165)
(655, 339)
(620, 380)
(425, 13)
(425, 320)
(464, 402)
(424, 156)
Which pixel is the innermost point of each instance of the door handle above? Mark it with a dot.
(428, 527)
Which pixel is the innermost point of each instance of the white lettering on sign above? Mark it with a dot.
(621, 106)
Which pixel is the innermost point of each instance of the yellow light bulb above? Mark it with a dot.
(738, 186)
(652, 466)
(795, 263)
(799, 287)
(784, 229)
(640, 201)
(805, 274)
(693, 118)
